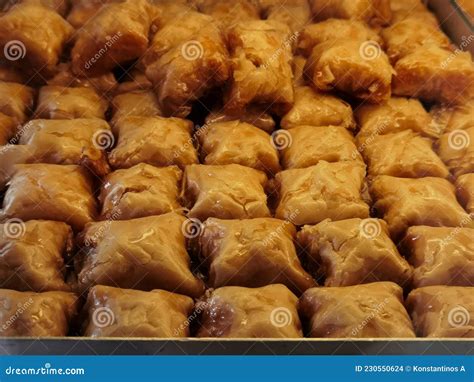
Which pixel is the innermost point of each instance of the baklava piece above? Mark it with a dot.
(50, 192)
(411, 156)
(154, 140)
(186, 59)
(397, 114)
(456, 149)
(252, 253)
(374, 12)
(114, 312)
(140, 103)
(440, 255)
(354, 251)
(261, 58)
(362, 311)
(45, 314)
(226, 192)
(28, 46)
(140, 191)
(236, 312)
(16, 100)
(7, 129)
(57, 102)
(307, 145)
(409, 202)
(117, 34)
(358, 68)
(465, 191)
(326, 190)
(240, 143)
(69, 141)
(252, 115)
(33, 255)
(435, 74)
(146, 253)
(453, 117)
(317, 109)
(442, 311)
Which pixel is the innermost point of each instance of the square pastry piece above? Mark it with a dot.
(29, 314)
(226, 192)
(240, 143)
(139, 191)
(252, 253)
(236, 312)
(362, 311)
(50, 192)
(456, 149)
(154, 140)
(425, 201)
(441, 256)
(146, 253)
(142, 103)
(114, 312)
(465, 191)
(454, 117)
(305, 146)
(32, 255)
(442, 311)
(327, 190)
(411, 156)
(354, 251)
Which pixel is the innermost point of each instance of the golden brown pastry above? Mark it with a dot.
(307, 145)
(354, 251)
(227, 192)
(32, 255)
(315, 108)
(135, 81)
(358, 68)
(253, 115)
(36, 314)
(236, 312)
(145, 254)
(154, 140)
(11, 155)
(298, 63)
(140, 103)
(50, 192)
(294, 13)
(261, 60)
(397, 114)
(60, 6)
(456, 149)
(117, 33)
(12, 74)
(403, 154)
(435, 74)
(453, 117)
(252, 253)
(228, 13)
(442, 311)
(114, 312)
(362, 311)
(465, 191)
(139, 191)
(16, 100)
(84, 10)
(403, 9)
(70, 141)
(171, 10)
(187, 58)
(240, 143)
(7, 128)
(57, 102)
(425, 201)
(326, 190)
(440, 255)
(374, 12)
(331, 29)
(31, 47)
